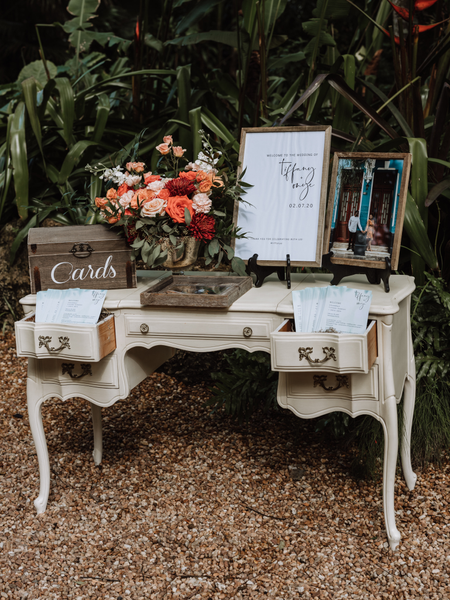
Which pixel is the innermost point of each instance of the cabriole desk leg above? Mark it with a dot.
(409, 396)
(388, 415)
(35, 402)
(96, 412)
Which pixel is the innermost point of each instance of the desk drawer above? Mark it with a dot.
(93, 374)
(330, 352)
(74, 342)
(195, 324)
(299, 387)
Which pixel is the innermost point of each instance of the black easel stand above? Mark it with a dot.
(374, 276)
(262, 272)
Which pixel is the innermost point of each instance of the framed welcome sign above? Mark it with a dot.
(284, 210)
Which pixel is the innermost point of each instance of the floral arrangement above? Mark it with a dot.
(161, 213)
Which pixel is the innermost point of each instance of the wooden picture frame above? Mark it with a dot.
(284, 210)
(370, 183)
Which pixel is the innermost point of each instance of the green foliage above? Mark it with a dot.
(245, 385)
(431, 329)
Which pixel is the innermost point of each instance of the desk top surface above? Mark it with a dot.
(272, 297)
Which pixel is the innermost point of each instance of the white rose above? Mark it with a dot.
(125, 200)
(132, 180)
(153, 208)
(201, 203)
(156, 186)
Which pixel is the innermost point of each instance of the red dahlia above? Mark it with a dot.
(202, 227)
(131, 234)
(180, 187)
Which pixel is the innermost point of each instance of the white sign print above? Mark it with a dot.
(283, 211)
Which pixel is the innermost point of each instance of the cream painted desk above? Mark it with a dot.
(319, 373)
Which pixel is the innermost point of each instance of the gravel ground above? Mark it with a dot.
(190, 505)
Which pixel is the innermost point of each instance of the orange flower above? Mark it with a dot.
(123, 189)
(137, 167)
(101, 202)
(167, 139)
(164, 194)
(141, 197)
(175, 208)
(111, 194)
(189, 175)
(149, 178)
(178, 151)
(205, 186)
(163, 148)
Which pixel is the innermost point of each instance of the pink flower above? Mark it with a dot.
(137, 167)
(168, 139)
(153, 208)
(201, 203)
(178, 151)
(163, 148)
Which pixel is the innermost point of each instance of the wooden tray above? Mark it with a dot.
(201, 292)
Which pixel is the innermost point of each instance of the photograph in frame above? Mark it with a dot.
(366, 208)
(284, 210)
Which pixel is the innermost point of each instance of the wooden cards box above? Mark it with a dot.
(80, 256)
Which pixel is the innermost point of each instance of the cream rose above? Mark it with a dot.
(201, 203)
(153, 207)
(126, 198)
(156, 186)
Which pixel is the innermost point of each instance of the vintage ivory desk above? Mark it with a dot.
(319, 373)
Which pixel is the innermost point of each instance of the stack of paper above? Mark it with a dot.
(71, 307)
(337, 309)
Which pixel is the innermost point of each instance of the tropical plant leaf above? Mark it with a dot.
(37, 70)
(72, 158)
(29, 88)
(337, 9)
(436, 191)
(18, 149)
(417, 232)
(67, 106)
(230, 38)
(199, 11)
(217, 127)
(103, 110)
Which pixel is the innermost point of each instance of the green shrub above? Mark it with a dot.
(246, 385)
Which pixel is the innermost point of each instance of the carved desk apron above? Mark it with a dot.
(319, 373)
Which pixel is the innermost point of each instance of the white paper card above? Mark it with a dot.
(337, 309)
(69, 307)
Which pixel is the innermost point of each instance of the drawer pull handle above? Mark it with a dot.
(81, 250)
(306, 352)
(44, 340)
(247, 331)
(68, 368)
(144, 328)
(319, 380)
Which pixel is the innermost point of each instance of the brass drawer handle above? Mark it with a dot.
(68, 368)
(319, 380)
(306, 352)
(144, 328)
(247, 332)
(44, 340)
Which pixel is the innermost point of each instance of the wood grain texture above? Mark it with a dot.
(372, 345)
(107, 336)
(162, 293)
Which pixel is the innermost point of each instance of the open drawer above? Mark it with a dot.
(333, 352)
(77, 342)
